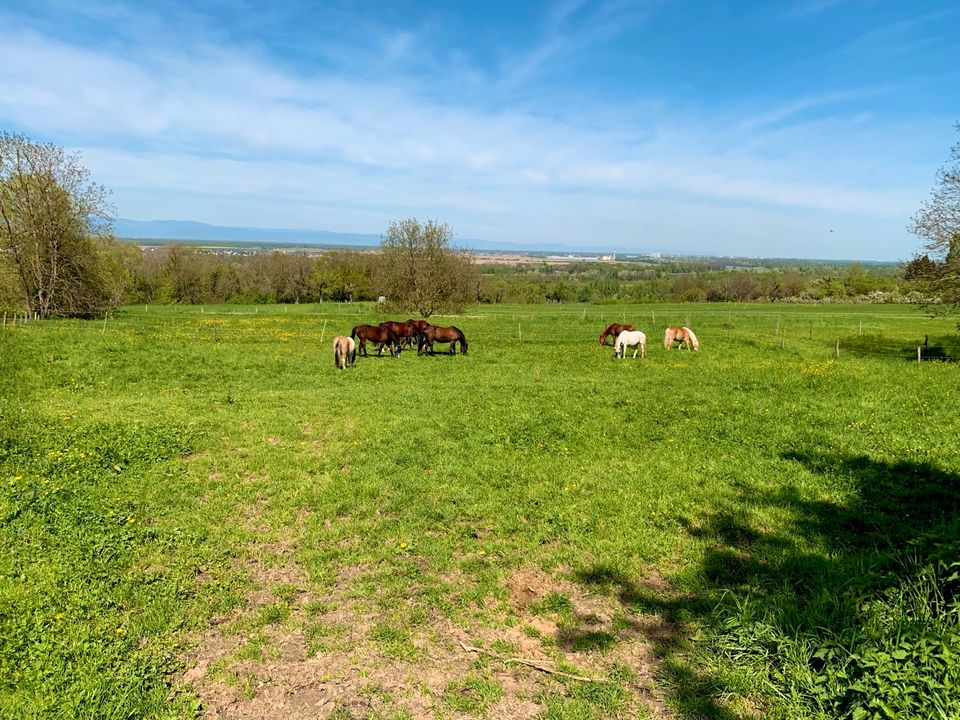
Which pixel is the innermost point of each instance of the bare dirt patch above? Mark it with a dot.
(332, 651)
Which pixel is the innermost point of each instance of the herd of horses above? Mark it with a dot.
(395, 335)
(627, 336)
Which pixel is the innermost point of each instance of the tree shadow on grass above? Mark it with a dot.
(812, 574)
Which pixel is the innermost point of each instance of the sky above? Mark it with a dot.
(801, 128)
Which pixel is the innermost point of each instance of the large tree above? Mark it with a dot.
(419, 271)
(54, 226)
(938, 224)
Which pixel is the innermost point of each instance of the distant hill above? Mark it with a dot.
(189, 230)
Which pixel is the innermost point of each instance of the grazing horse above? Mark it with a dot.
(382, 336)
(344, 352)
(614, 330)
(628, 339)
(405, 331)
(431, 334)
(683, 335)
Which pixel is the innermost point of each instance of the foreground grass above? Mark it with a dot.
(793, 513)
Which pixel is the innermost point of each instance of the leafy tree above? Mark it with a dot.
(419, 271)
(938, 224)
(54, 226)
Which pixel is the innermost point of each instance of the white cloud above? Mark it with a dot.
(231, 138)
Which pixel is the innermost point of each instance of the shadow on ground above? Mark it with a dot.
(812, 575)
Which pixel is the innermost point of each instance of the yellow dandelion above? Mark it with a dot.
(120, 631)
(403, 545)
(58, 616)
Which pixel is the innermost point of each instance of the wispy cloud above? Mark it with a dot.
(225, 132)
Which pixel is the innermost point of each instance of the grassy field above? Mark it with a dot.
(199, 516)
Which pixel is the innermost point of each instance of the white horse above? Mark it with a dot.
(344, 351)
(628, 339)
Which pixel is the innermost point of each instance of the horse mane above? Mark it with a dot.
(353, 332)
(693, 338)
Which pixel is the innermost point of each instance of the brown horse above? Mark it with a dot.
(614, 330)
(682, 335)
(406, 331)
(382, 336)
(419, 325)
(431, 334)
(344, 352)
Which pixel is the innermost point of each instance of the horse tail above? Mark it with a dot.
(666, 339)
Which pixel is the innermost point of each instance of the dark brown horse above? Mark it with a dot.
(406, 331)
(431, 334)
(420, 325)
(379, 334)
(614, 330)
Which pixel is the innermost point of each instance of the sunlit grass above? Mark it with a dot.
(140, 458)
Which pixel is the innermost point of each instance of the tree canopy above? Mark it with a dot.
(937, 222)
(54, 240)
(419, 271)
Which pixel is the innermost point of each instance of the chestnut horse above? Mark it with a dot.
(683, 335)
(405, 331)
(628, 339)
(344, 352)
(382, 336)
(431, 334)
(614, 330)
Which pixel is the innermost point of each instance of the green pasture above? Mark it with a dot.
(762, 528)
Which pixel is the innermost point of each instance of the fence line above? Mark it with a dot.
(536, 333)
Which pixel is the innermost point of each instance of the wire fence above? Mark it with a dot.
(825, 330)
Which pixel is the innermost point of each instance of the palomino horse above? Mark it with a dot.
(382, 336)
(614, 331)
(405, 331)
(682, 335)
(344, 352)
(431, 334)
(630, 339)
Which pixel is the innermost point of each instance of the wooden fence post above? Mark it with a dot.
(838, 347)
(919, 350)
(323, 331)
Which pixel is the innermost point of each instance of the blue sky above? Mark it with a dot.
(804, 128)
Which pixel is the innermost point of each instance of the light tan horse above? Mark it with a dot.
(683, 335)
(344, 351)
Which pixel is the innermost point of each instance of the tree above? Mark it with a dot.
(419, 271)
(938, 224)
(54, 227)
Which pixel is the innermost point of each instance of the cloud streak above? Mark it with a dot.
(225, 131)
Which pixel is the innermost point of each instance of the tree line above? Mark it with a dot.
(58, 258)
